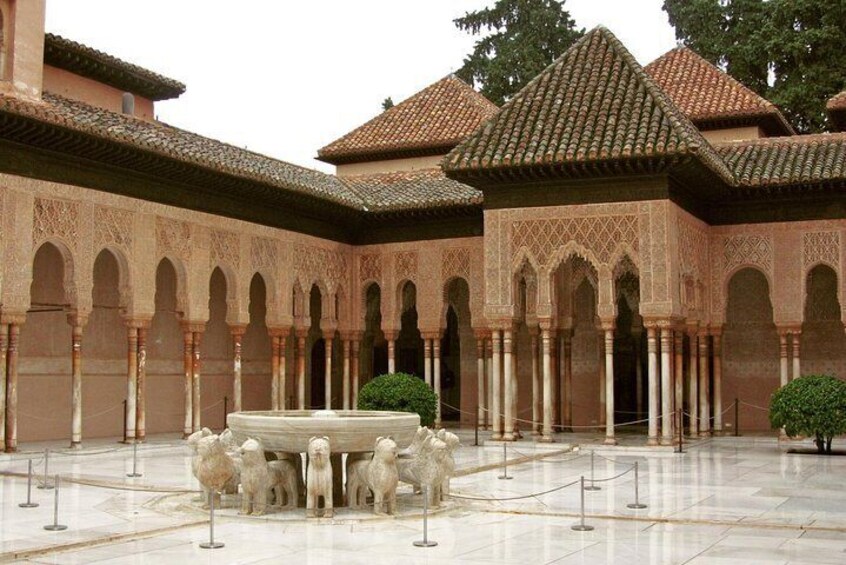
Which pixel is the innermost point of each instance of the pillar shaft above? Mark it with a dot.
(718, 383)
(12, 389)
(784, 372)
(678, 381)
(480, 382)
(187, 363)
(609, 387)
(76, 384)
(327, 375)
(536, 386)
(704, 387)
(547, 385)
(346, 376)
(654, 398)
(567, 352)
(666, 385)
(796, 359)
(355, 373)
(195, 381)
(237, 394)
(508, 380)
(489, 376)
(497, 379)
(131, 380)
(301, 369)
(427, 361)
(274, 373)
(283, 373)
(141, 398)
(693, 385)
(4, 349)
(602, 379)
(392, 359)
(638, 377)
(436, 353)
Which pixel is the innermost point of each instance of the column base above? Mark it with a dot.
(652, 441)
(718, 432)
(76, 445)
(546, 438)
(507, 436)
(610, 441)
(704, 434)
(11, 449)
(496, 437)
(185, 435)
(536, 433)
(668, 441)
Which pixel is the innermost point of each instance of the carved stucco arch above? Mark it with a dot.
(126, 276)
(839, 285)
(233, 302)
(70, 287)
(445, 302)
(181, 272)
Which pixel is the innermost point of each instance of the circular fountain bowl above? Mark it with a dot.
(349, 431)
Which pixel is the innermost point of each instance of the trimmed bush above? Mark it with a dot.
(813, 405)
(400, 392)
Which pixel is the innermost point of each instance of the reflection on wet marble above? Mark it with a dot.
(725, 501)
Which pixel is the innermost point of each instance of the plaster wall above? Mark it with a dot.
(389, 166)
(732, 134)
(70, 85)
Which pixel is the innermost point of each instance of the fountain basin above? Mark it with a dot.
(349, 431)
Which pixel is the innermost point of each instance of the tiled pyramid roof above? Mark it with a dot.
(837, 110)
(708, 96)
(406, 190)
(89, 62)
(431, 122)
(792, 160)
(593, 107)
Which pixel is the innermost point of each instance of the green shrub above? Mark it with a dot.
(813, 405)
(399, 392)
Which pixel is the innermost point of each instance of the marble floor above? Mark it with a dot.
(724, 501)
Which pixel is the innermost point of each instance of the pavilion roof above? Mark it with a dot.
(405, 190)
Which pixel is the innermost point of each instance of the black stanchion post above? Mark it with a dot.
(134, 472)
(125, 438)
(736, 417)
(504, 474)
(476, 429)
(425, 542)
(581, 526)
(29, 503)
(591, 486)
(636, 504)
(46, 484)
(56, 526)
(211, 544)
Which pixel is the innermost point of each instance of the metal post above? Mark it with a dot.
(636, 504)
(124, 422)
(211, 544)
(592, 486)
(134, 472)
(56, 526)
(225, 410)
(736, 417)
(29, 503)
(680, 429)
(581, 526)
(476, 429)
(46, 485)
(425, 542)
(504, 474)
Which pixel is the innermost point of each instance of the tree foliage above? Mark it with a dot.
(400, 392)
(788, 51)
(387, 103)
(813, 405)
(520, 38)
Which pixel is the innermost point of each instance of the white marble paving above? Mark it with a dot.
(726, 501)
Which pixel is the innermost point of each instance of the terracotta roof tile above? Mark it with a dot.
(89, 62)
(181, 145)
(433, 121)
(837, 102)
(593, 104)
(782, 161)
(706, 94)
(407, 190)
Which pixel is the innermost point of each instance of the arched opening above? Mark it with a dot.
(458, 355)
(217, 352)
(165, 378)
(823, 346)
(630, 372)
(44, 382)
(526, 321)
(750, 347)
(586, 363)
(256, 351)
(3, 34)
(374, 347)
(317, 357)
(104, 353)
(409, 346)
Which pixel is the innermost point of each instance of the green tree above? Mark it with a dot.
(789, 51)
(387, 103)
(520, 39)
(813, 405)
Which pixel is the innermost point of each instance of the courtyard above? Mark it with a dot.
(724, 500)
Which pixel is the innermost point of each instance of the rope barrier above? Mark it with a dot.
(540, 423)
(521, 497)
(754, 406)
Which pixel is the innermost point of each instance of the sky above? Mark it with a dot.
(286, 77)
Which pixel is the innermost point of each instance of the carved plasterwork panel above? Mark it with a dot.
(748, 249)
(263, 253)
(173, 237)
(455, 263)
(405, 265)
(113, 226)
(319, 264)
(55, 218)
(821, 247)
(370, 267)
(224, 249)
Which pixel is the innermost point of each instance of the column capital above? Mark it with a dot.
(391, 335)
(328, 335)
(79, 319)
(17, 318)
(795, 329)
(137, 323)
(607, 323)
(237, 329)
(426, 335)
(279, 331)
(481, 333)
(193, 326)
(301, 333)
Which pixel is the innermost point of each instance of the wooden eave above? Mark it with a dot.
(348, 158)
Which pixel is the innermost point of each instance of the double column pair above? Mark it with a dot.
(789, 335)
(431, 367)
(504, 384)
(136, 381)
(10, 328)
(704, 373)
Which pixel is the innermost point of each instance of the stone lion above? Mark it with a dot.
(215, 467)
(378, 474)
(255, 478)
(319, 478)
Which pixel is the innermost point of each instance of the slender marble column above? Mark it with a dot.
(602, 380)
(346, 376)
(131, 381)
(567, 352)
(237, 338)
(436, 352)
(187, 363)
(480, 381)
(638, 374)
(76, 381)
(718, 384)
(704, 387)
(784, 371)
(508, 380)
(489, 415)
(796, 364)
(283, 371)
(392, 346)
(4, 349)
(274, 371)
(356, 367)
(678, 381)
(515, 389)
(327, 376)
(301, 368)
(195, 380)
(609, 387)
(547, 386)
(497, 379)
(654, 399)
(536, 404)
(12, 389)
(427, 361)
(666, 386)
(555, 377)
(693, 384)
(141, 394)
